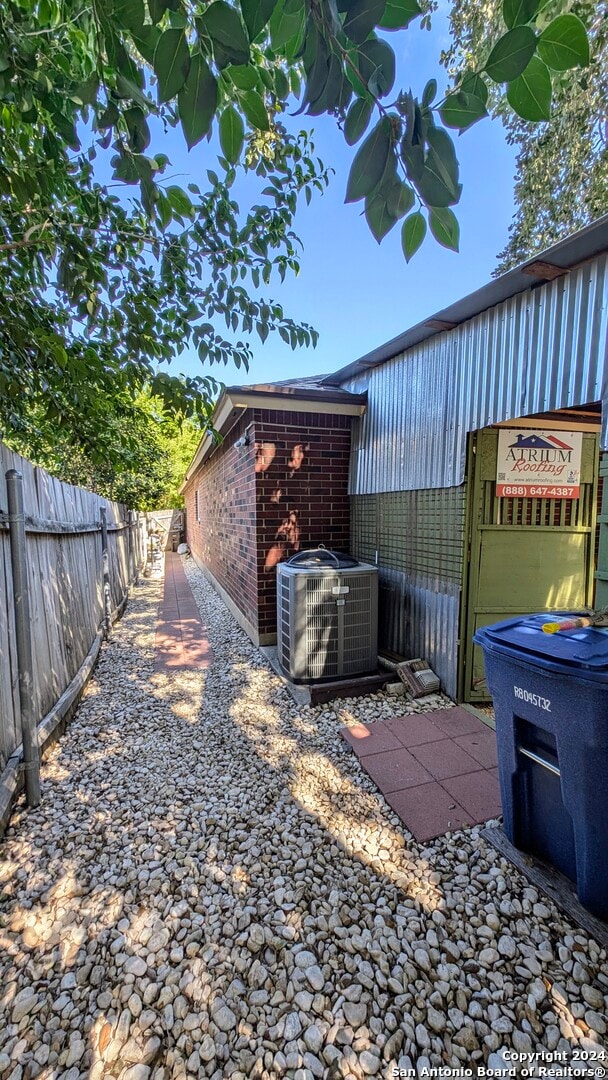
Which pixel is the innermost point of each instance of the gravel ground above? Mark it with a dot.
(212, 887)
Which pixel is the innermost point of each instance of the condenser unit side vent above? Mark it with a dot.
(283, 619)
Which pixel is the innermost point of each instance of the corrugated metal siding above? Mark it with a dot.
(541, 350)
(418, 538)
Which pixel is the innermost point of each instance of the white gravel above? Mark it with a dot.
(212, 887)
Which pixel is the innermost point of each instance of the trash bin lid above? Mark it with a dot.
(582, 649)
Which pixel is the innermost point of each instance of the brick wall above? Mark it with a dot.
(225, 538)
(287, 490)
(302, 462)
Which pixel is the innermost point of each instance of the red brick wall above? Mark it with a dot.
(288, 490)
(225, 539)
(301, 492)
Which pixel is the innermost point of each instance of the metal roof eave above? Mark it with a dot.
(565, 255)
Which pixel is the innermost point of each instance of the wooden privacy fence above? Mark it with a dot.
(73, 588)
(168, 524)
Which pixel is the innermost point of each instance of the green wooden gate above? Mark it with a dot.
(525, 554)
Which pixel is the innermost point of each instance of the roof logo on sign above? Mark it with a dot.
(538, 442)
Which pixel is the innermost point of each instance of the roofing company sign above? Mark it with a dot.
(539, 464)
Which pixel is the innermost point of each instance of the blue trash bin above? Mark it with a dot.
(550, 694)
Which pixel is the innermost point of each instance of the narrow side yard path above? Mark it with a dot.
(213, 887)
(181, 638)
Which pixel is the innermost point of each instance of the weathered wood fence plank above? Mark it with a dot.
(64, 559)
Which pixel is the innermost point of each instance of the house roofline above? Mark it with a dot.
(541, 268)
(235, 400)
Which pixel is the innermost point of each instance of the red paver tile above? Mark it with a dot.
(478, 792)
(370, 740)
(395, 769)
(444, 758)
(481, 745)
(428, 810)
(181, 639)
(414, 730)
(455, 721)
(199, 655)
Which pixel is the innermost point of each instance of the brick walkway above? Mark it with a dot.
(437, 770)
(181, 638)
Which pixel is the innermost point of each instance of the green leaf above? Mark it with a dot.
(232, 133)
(369, 162)
(256, 14)
(67, 130)
(255, 110)
(163, 208)
(157, 9)
(511, 54)
(445, 228)
(230, 43)
(564, 43)
(139, 134)
(530, 95)
(108, 117)
(127, 89)
(399, 13)
(316, 64)
(412, 234)
(441, 144)
(281, 84)
(287, 23)
(476, 86)
(438, 184)
(197, 101)
(378, 218)
(376, 63)
(361, 18)
(413, 159)
(329, 97)
(124, 168)
(145, 40)
(352, 74)
(430, 92)
(171, 63)
(461, 110)
(357, 119)
(180, 202)
(400, 200)
(129, 13)
(243, 76)
(518, 12)
(178, 19)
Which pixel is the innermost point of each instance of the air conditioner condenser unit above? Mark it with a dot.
(327, 616)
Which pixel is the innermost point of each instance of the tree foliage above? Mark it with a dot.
(103, 283)
(149, 452)
(562, 165)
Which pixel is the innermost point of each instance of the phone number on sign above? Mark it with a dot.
(542, 491)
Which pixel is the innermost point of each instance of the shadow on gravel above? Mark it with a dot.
(179, 814)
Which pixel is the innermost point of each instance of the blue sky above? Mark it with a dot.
(357, 293)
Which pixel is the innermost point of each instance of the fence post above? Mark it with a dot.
(105, 564)
(21, 600)
(130, 548)
(136, 545)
